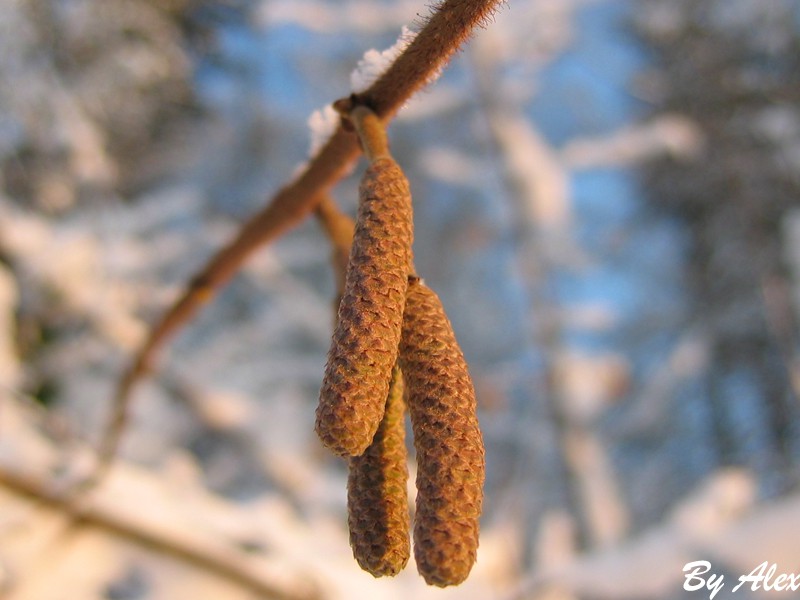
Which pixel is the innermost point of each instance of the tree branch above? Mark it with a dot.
(446, 30)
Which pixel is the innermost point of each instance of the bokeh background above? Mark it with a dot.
(606, 200)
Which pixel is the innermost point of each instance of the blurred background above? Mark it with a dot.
(606, 200)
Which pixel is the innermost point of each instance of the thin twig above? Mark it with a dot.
(443, 34)
(371, 132)
(339, 229)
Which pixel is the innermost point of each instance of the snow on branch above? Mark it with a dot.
(323, 122)
(375, 63)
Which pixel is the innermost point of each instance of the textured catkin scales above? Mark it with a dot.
(450, 453)
(365, 341)
(377, 499)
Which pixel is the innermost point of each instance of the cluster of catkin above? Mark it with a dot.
(393, 347)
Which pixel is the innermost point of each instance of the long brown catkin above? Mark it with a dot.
(365, 342)
(377, 498)
(447, 438)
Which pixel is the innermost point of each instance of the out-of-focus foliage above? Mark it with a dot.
(88, 91)
(734, 68)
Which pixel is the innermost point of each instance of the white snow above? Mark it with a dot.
(375, 62)
(322, 123)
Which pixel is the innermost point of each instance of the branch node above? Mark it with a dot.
(370, 128)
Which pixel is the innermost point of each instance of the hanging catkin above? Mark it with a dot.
(365, 341)
(377, 499)
(450, 453)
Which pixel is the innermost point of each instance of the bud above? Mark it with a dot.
(377, 499)
(450, 453)
(365, 341)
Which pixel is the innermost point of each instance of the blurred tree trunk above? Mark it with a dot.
(581, 476)
(743, 89)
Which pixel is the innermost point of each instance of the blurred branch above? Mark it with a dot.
(208, 554)
(339, 229)
(689, 357)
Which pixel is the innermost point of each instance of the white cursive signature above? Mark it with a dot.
(764, 577)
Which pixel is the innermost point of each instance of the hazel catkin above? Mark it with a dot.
(377, 499)
(365, 341)
(447, 438)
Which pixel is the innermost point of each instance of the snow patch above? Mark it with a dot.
(322, 123)
(373, 64)
(376, 62)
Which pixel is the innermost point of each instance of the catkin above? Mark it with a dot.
(365, 342)
(450, 453)
(377, 499)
